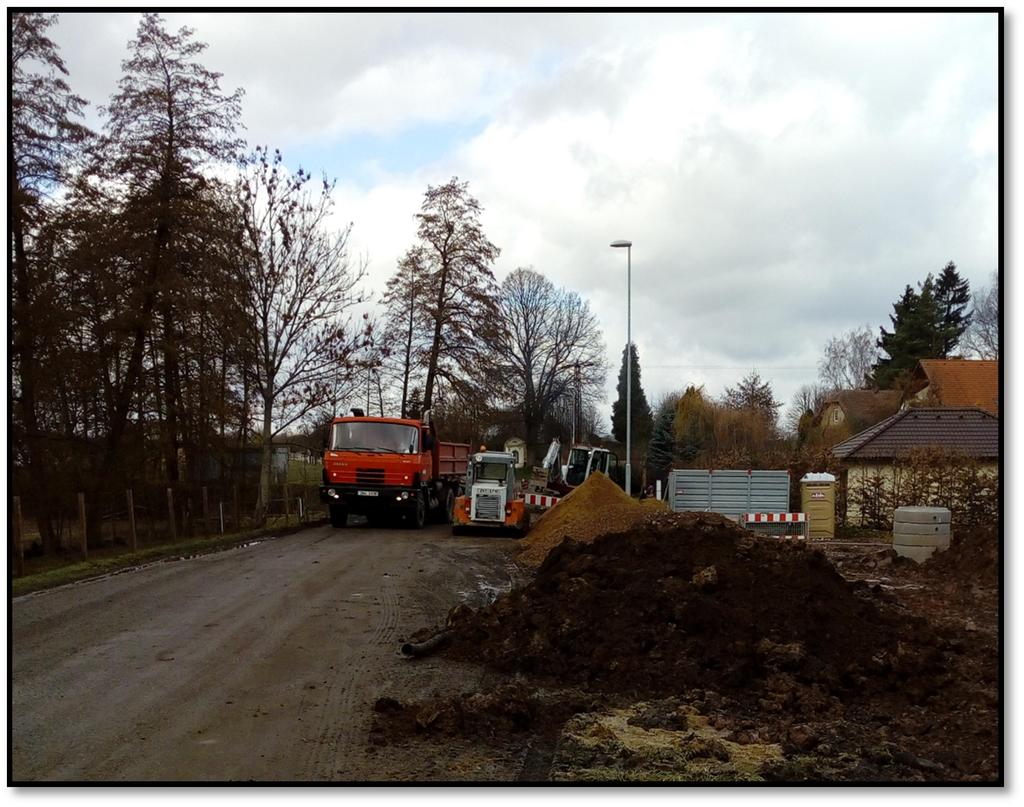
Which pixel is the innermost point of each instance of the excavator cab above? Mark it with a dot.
(584, 460)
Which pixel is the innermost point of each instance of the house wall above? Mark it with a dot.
(858, 472)
(832, 416)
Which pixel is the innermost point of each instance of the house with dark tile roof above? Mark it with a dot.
(876, 451)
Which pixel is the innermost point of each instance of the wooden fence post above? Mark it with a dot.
(132, 536)
(19, 548)
(237, 521)
(206, 512)
(287, 509)
(170, 514)
(81, 526)
(113, 521)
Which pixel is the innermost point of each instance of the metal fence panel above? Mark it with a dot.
(731, 493)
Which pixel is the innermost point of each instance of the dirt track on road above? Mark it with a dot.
(258, 663)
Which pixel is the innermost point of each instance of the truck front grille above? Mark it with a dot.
(488, 507)
(369, 476)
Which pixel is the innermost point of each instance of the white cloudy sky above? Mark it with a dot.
(782, 176)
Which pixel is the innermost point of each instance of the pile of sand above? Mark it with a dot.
(594, 508)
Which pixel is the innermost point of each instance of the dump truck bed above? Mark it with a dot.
(452, 460)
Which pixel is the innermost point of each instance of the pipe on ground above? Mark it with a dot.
(426, 647)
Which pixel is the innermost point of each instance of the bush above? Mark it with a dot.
(930, 477)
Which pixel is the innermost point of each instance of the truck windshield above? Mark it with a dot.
(386, 438)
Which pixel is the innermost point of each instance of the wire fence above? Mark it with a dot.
(149, 515)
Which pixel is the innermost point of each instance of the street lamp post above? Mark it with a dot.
(629, 362)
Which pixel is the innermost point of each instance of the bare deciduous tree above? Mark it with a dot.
(848, 359)
(982, 337)
(459, 281)
(405, 331)
(545, 335)
(299, 286)
(808, 398)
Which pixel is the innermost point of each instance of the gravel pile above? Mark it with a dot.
(596, 507)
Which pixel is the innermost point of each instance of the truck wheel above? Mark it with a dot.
(449, 508)
(339, 518)
(419, 515)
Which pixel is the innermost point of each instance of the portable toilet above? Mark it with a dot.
(818, 501)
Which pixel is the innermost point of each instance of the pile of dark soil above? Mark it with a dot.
(972, 558)
(693, 600)
(686, 648)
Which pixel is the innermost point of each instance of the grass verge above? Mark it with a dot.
(106, 564)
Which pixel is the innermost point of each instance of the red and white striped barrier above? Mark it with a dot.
(541, 500)
(759, 522)
(771, 518)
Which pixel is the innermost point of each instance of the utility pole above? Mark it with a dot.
(577, 403)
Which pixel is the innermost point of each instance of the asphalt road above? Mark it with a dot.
(258, 663)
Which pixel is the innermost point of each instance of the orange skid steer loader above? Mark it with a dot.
(492, 499)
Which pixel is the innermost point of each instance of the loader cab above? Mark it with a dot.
(492, 468)
(491, 481)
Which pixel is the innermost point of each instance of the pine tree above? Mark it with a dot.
(952, 295)
(168, 121)
(44, 138)
(663, 440)
(754, 395)
(915, 335)
(642, 422)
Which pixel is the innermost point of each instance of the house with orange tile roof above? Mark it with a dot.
(956, 383)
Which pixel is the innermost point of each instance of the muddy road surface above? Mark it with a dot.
(258, 663)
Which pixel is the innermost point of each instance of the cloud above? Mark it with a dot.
(781, 176)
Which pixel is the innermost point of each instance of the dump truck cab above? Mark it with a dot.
(492, 495)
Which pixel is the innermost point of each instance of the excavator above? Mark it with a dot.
(583, 461)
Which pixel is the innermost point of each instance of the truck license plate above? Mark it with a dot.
(367, 493)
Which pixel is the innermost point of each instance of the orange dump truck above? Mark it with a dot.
(389, 469)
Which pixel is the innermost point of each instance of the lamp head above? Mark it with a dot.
(621, 243)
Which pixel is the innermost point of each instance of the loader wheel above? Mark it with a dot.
(339, 518)
(449, 508)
